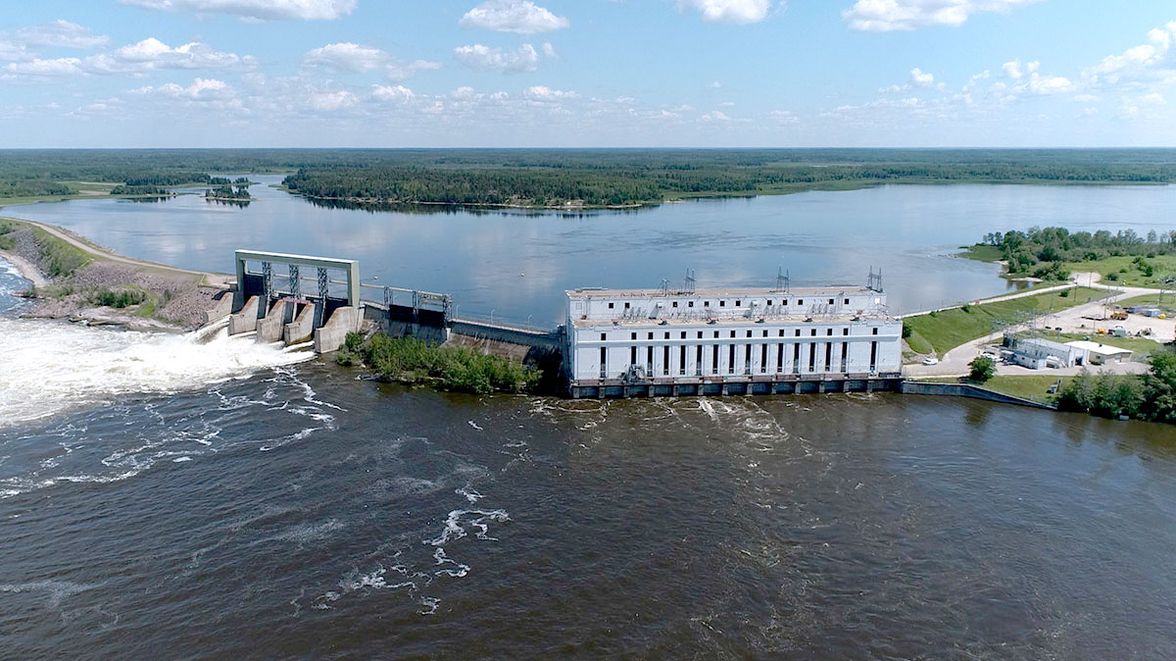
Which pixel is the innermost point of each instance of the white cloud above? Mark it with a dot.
(922, 78)
(59, 33)
(715, 116)
(62, 66)
(888, 15)
(333, 100)
(1137, 59)
(398, 93)
(265, 10)
(1026, 77)
(201, 89)
(729, 11)
(152, 53)
(525, 58)
(346, 56)
(546, 94)
(519, 16)
(784, 116)
(354, 58)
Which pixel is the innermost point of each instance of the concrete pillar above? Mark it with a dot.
(245, 320)
(331, 336)
(302, 328)
(269, 329)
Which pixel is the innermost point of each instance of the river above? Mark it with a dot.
(272, 505)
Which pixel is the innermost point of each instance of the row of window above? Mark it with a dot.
(723, 303)
(818, 354)
(682, 334)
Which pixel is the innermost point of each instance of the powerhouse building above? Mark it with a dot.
(719, 341)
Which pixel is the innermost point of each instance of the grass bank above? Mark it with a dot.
(1033, 387)
(57, 258)
(1130, 271)
(939, 332)
(461, 369)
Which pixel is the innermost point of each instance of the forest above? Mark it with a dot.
(577, 177)
(1043, 251)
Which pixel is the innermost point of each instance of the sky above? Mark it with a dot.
(587, 73)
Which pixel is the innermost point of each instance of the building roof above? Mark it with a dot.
(720, 292)
(1044, 343)
(1100, 349)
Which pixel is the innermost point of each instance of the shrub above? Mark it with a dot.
(460, 369)
(120, 298)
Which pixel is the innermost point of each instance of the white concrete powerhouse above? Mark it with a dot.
(647, 336)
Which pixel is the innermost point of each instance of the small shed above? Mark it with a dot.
(1101, 354)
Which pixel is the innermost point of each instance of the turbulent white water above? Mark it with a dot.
(48, 367)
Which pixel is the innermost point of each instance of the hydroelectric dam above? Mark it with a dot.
(615, 343)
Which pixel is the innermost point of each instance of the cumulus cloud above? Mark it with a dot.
(889, 15)
(152, 53)
(519, 16)
(346, 56)
(1027, 78)
(543, 93)
(264, 10)
(355, 58)
(201, 89)
(1137, 59)
(729, 11)
(337, 100)
(922, 78)
(38, 67)
(389, 93)
(524, 58)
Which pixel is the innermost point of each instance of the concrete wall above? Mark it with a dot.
(484, 331)
(965, 390)
(331, 336)
(245, 319)
(270, 328)
(302, 328)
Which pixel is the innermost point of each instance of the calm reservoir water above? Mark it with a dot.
(167, 497)
(518, 264)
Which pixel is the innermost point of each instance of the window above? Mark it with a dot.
(632, 336)
(732, 333)
(722, 304)
(784, 302)
(781, 332)
(737, 303)
(800, 301)
(716, 335)
(731, 359)
(626, 306)
(603, 336)
(828, 356)
(845, 331)
(749, 333)
(666, 360)
(611, 305)
(828, 331)
(875, 332)
(765, 333)
(706, 304)
(813, 332)
(650, 336)
(667, 336)
(603, 362)
(683, 335)
(633, 355)
(769, 301)
(830, 301)
(700, 335)
(798, 332)
(690, 304)
(675, 303)
(847, 301)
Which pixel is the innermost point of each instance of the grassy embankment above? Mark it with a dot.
(1130, 271)
(60, 259)
(939, 332)
(1031, 387)
(1166, 302)
(411, 361)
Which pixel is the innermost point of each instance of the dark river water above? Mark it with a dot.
(166, 497)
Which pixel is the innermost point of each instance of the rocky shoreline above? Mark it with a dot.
(153, 299)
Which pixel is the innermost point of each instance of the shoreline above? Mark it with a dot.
(25, 268)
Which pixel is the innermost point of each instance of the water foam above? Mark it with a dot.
(53, 366)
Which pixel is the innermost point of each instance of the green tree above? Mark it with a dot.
(983, 369)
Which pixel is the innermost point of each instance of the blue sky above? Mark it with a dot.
(594, 73)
